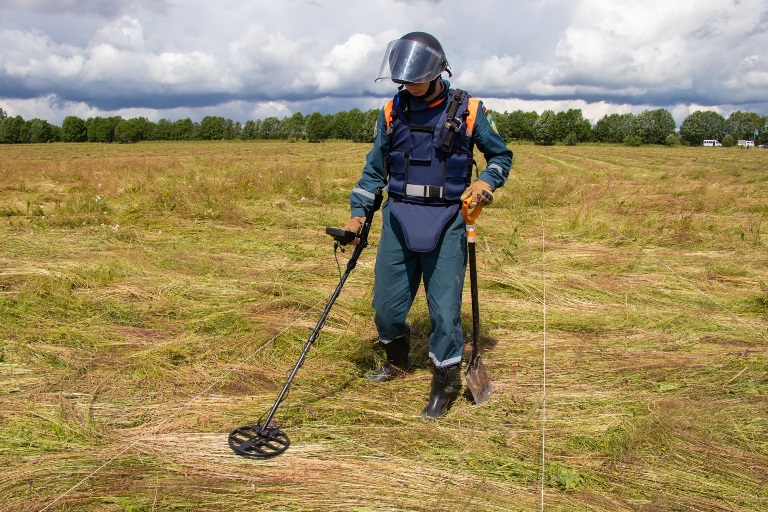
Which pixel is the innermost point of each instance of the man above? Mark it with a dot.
(422, 153)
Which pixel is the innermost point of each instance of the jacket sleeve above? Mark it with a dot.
(374, 172)
(489, 142)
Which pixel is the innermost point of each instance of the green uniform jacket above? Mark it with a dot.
(484, 136)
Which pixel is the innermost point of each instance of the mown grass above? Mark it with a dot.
(154, 296)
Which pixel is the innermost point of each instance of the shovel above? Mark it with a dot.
(475, 374)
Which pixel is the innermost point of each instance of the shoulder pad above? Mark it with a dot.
(389, 112)
(472, 107)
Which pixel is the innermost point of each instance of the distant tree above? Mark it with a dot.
(102, 129)
(163, 130)
(573, 122)
(250, 130)
(128, 131)
(545, 130)
(135, 130)
(3, 114)
(702, 125)
(74, 129)
(38, 131)
(728, 141)
(146, 127)
(653, 126)
(742, 125)
(521, 125)
(501, 120)
(269, 128)
(339, 126)
(213, 128)
(517, 125)
(292, 128)
(763, 130)
(363, 125)
(614, 128)
(328, 124)
(672, 139)
(10, 129)
(355, 124)
(183, 129)
(316, 127)
(234, 129)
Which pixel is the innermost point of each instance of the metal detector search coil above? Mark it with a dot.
(262, 439)
(257, 441)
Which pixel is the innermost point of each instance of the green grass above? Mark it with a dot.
(154, 296)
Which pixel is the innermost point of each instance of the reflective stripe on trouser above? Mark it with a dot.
(399, 272)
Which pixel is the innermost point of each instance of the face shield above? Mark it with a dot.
(407, 61)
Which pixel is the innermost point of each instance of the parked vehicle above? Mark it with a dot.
(710, 142)
(746, 143)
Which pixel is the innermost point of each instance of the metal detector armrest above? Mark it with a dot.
(340, 235)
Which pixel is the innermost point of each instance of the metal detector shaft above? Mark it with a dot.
(316, 331)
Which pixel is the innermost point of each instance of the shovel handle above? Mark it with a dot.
(470, 217)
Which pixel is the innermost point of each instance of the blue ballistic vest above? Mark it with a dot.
(430, 154)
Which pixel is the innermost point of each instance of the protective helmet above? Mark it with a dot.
(416, 57)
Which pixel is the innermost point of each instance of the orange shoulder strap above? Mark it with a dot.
(389, 112)
(472, 107)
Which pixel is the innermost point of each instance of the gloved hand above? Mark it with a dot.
(480, 192)
(355, 224)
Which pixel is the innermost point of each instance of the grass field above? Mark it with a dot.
(154, 296)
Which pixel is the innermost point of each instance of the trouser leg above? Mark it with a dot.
(396, 281)
(444, 270)
(397, 278)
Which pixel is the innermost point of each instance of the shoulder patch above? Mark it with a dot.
(489, 117)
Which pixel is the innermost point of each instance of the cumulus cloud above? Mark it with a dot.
(347, 63)
(654, 53)
(651, 53)
(166, 58)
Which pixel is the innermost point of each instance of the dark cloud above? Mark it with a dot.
(102, 8)
(157, 56)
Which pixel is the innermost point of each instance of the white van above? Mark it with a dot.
(712, 143)
(746, 143)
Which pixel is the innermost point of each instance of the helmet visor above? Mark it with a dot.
(407, 61)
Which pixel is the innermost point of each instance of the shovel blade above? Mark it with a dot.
(477, 380)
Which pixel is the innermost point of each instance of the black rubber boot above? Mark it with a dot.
(443, 380)
(398, 360)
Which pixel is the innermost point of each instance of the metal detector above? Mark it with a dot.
(263, 439)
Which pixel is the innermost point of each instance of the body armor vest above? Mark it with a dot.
(430, 156)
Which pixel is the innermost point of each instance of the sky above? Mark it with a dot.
(251, 59)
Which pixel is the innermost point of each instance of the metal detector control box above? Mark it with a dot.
(340, 235)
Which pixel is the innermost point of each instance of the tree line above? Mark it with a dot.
(568, 127)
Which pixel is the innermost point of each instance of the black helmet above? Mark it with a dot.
(415, 57)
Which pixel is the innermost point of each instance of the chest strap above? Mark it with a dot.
(424, 191)
(453, 122)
